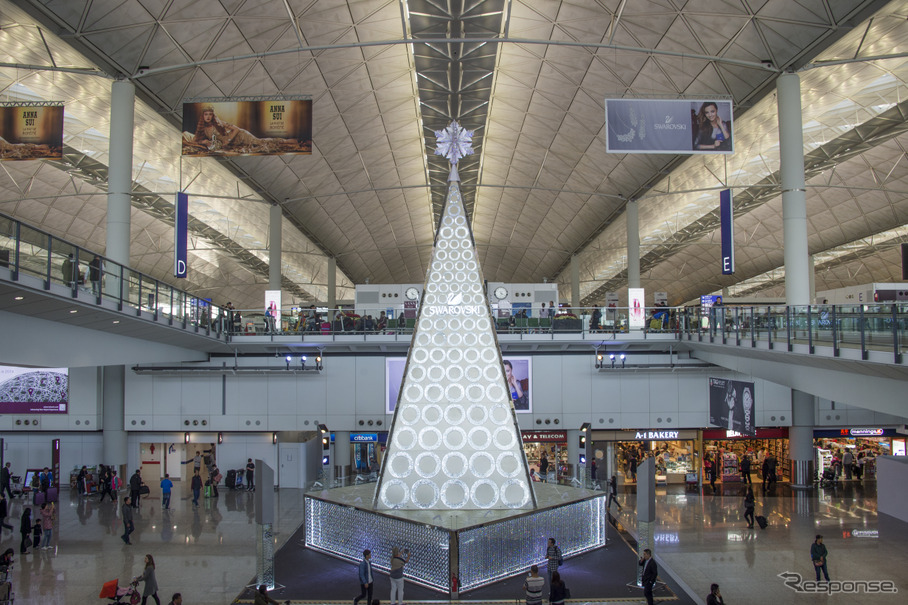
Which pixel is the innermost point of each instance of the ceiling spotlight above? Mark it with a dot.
(19, 298)
(74, 311)
(612, 359)
(623, 357)
(318, 362)
(288, 359)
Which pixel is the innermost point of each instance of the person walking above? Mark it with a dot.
(104, 483)
(135, 485)
(711, 471)
(848, 464)
(25, 528)
(613, 494)
(94, 274)
(68, 270)
(4, 511)
(176, 599)
(818, 553)
(557, 590)
(544, 467)
(48, 516)
(714, 597)
(250, 475)
(80, 480)
(151, 583)
(6, 477)
(196, 461)
(745, 469)
(196, 486)
(650, 573)
(397, 574)
(533, 586)
(632, 467)
(262, 598)
(128, 525)
(553, 558)
(749, 507)
(365, 578)
(166, 488)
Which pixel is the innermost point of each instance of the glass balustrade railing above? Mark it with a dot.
(93, 279)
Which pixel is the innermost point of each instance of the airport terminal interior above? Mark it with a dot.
(453, 277)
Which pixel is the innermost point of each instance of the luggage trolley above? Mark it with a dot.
(16, 483)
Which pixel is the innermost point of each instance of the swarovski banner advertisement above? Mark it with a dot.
(229, 128)
(31, 132)
(731, 405)
(668, 126)
(516, 370)
(727, 218)
(636, 309)
(33, 390)
(181, 235)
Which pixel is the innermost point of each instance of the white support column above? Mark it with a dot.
(113, 401)
(342, 454)
(274, 248)
(119, 170)
(800, 439)
(811, 268)
(575, 282)
(794, 204)
(332, 286)
(633, 245)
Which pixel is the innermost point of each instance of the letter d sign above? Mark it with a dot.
(180, 235)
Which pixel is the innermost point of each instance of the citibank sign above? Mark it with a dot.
(657, 435)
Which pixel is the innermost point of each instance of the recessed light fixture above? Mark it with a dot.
(74, 311)
(116, 321)
(19, 298)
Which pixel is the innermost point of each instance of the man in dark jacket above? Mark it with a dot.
(128, 526)
(6, 478)
(745, 469)
(650, 572)
(135, 484)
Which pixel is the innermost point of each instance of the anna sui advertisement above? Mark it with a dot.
(517, 372)
(731, 405)
(31, 132)
(231, 128)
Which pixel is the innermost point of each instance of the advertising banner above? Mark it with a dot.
(636, 309)
(181, 235)
(731, 405)
(273, 305)
(678, 126)
(229, 128)
(33, 390)
(31, 132)
(660, 299)
(517, 371)
(727, 218)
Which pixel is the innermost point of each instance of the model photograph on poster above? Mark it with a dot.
(31, 132)
(681, 126)
(33, 390)
(731, 405)
(231, 128)
(517, 372)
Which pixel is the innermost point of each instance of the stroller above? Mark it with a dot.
(121, 595)
(828, 478)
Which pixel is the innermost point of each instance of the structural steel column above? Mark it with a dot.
(794, 204)
(274, 248)
(119, 170)
(332, 286)
(633, 245)
(575, 282)
(342, 453)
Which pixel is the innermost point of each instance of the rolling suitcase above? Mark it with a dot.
(52, 494)
(231, 479)
(40, 498)
(761, 521)
(209, 491)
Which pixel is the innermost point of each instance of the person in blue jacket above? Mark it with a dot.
(365, 578)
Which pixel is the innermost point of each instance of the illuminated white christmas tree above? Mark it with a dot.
(454, 441)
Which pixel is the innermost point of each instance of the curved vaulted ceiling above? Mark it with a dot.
(529, 77)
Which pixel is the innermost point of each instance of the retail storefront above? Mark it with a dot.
(864, 444)
(730, 447)
(675, 452)
(366, 451)
(554, 445)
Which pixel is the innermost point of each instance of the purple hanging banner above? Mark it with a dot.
(727, 217)
(181, 235)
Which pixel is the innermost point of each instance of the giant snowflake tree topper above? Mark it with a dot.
(454, 143)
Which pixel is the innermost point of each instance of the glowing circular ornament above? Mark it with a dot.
(431, 414)
(480, 438)
(495, 392)
(482, 464)
(435, 373)
(492, 373)
(469, 324)
(424, 493)
(409, 414)
(499, 414)
(427, 465)
(420, 356)
(394, 493)
(454, 464)
(460, 232)
(470, 356)
(455, 414)
(455, 339)
(454, 438)
(504, 438)
(454, 355)
(482, 324)
(477, 414)
(455, 493)
(507, 464)
(455, 374)
(484, 494)
(485, 340)
(441, 255)
(417, 373)
(429, 438)
(437, 355)
(446, 232)
(472, 374)
(469, 340)
(400, 465)
(454, 393)
(489, 356)
(405, 438)
(433, 393)
(515, 493)
(423, 338)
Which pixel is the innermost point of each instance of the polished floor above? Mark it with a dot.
(208, 553)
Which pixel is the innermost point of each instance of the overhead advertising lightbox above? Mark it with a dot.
(33, 390)
(731, 405)
(636, 309)
(677, 126)
(31, 132)
(225, 127)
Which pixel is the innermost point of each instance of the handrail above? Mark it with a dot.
(57, 262)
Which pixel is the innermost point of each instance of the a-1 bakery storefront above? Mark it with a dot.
(675, 453)
(729, 447)
(864, 443)
(554, 445)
